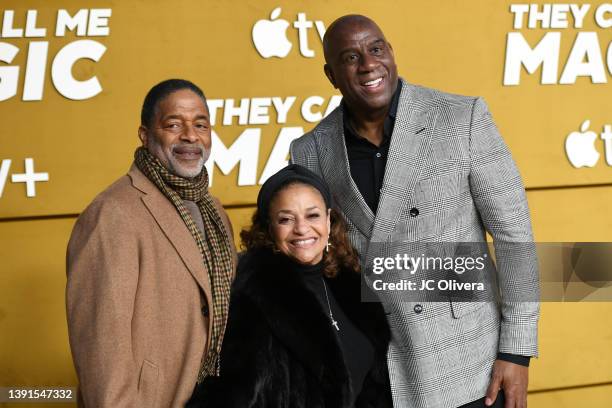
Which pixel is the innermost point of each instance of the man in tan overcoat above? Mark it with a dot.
(150, 263)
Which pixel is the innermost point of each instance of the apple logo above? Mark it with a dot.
(579, 147)
(270, 38)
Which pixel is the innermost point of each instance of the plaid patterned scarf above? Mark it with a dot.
(215, 250)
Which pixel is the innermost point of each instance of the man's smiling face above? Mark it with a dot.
(180, 135)
(361, 64)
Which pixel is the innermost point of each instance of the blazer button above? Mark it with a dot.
(205, 309)
(418, 309)
(414, 212)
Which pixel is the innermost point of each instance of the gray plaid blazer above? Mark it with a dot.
(448, 160)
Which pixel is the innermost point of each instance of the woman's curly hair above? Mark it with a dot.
(341, 254)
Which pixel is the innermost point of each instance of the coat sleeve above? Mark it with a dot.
(499, 195)
(102, 269)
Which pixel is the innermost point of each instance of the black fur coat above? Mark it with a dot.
(280, 350)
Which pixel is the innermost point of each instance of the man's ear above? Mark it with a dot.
(330, 75)
(391, 49)
(143, 136)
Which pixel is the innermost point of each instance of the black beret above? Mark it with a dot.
(287, 175)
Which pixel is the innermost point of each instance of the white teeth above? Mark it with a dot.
(373, 82)
(304, 242)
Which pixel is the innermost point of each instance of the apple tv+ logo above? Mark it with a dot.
(270, 36)
(580, 146)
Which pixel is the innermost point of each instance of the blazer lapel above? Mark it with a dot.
(336, 172)
(173, 227)
(410, 139)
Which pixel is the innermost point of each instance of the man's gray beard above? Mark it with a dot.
(173, 164)
(176, 168)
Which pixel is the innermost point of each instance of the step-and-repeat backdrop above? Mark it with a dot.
(73, 75)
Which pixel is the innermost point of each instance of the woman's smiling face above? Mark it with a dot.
(300, 223)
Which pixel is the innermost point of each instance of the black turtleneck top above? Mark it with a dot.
(357, 350)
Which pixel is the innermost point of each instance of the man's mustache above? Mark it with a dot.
(188, 148)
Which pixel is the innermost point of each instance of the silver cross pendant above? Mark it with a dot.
(335, 324)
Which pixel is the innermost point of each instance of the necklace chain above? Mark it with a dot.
(331, 315)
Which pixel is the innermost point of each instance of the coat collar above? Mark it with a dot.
(299, 321)
(329, 136)
(173, 227)
(296, 318)
(416, 116)
(414, 124)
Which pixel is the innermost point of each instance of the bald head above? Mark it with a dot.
(359, 61)
(343, 25)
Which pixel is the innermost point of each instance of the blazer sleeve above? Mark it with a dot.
(102, 269)
(303, 151)
(294, 155)
(499, 195)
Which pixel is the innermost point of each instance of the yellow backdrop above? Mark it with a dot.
(81, 137)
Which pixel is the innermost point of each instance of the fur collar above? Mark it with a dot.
(298, 320)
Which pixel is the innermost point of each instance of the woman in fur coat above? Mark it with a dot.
(298, 335)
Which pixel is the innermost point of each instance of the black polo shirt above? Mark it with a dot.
(367, 161)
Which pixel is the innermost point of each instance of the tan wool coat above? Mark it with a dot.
(138, 299)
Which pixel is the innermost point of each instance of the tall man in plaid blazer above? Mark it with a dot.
(416, 164)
